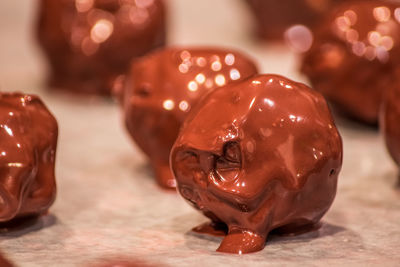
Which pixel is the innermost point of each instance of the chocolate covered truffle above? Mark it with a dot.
(259, 155)
(353, 57)
(88, 43)
(390, 120)
(162, 88)
(274, 17)
(28, 134)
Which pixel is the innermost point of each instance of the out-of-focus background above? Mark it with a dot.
(108, 205)
(224, 22)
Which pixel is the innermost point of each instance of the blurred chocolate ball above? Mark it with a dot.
(161, 89)
(352, 60)
(90, 42)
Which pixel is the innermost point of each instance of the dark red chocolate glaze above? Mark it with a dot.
(28, 134)
(162, 88)
(353, 57)
(259, 155)
(88, 43)
(390, 120)
(274, 17)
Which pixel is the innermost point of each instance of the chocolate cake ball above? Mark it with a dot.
(88, 43)
(390, 120)
(28, 134)
(259, 155)
(352, 60)
(162, 87)
(274, 17)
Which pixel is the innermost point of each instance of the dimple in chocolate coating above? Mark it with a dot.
(28, 134)
(353, 57)
(162, 87)
(88, 43)
(274, 17)
(390, 121)
(259, 155)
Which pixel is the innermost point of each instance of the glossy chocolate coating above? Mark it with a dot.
(390, 120)
(353, 57)
(274, 17)
(88, 43)
(162, 88)
(28, 134)
(259, 155)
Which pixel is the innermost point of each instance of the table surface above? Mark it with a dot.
(109, 207)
